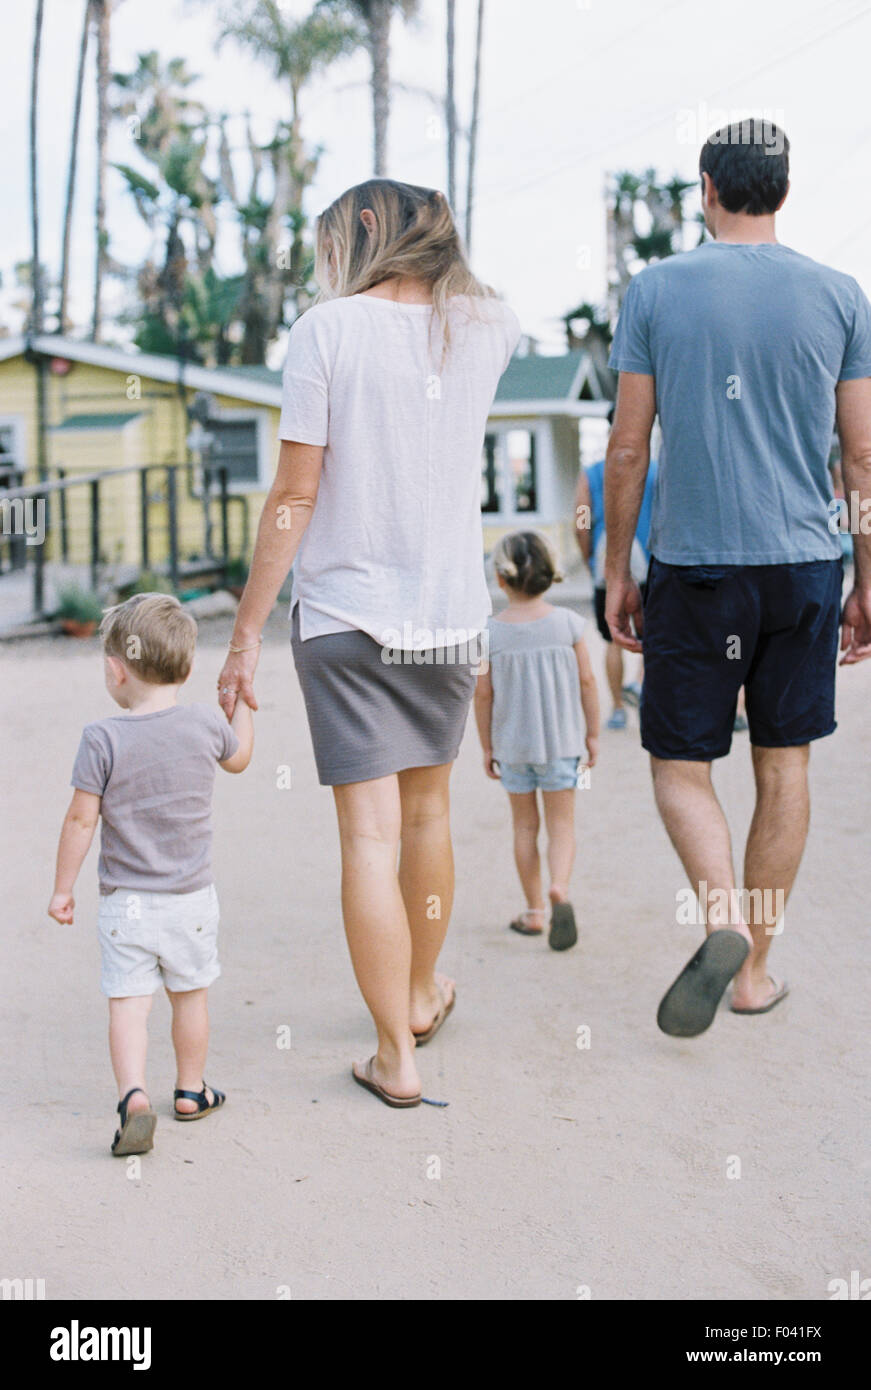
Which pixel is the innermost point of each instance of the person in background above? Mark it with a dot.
(591, 538)
(528, 711)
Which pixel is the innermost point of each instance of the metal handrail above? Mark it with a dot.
(63, 484)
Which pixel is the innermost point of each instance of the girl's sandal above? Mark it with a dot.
(204, 1107)
(525, 923)
(136, 1135)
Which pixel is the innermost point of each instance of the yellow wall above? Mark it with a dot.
(158, 436)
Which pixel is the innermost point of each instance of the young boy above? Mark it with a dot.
(149, 774)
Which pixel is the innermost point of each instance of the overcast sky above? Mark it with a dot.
(571, 90)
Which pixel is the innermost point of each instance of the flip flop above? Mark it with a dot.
(429, 1033)
(689, 1006)
(780, 992)
(204, 1108)
(563, 931)
(522, 925)
(136, 1135)
(369, 1083)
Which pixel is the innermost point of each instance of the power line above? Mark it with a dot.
(667, 113)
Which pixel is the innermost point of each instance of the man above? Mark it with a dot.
(590, 509)
(751, 352)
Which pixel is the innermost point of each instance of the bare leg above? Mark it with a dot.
(775, 845)
(697, 828)
(559, 817)
(426, 881)
(128, 1046)
(524, 813)
(376, 923)
(190, 1039)
(614, 673)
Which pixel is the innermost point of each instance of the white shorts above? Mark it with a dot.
(149, 939)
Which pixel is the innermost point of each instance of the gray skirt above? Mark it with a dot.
(369, 718)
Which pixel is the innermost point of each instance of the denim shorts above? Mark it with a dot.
(559, 775)
(149, 939)
(709, 629)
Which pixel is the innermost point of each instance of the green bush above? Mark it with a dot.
(79, 605)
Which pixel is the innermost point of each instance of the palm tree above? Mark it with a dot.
(36, 284)
(450, 106)
(102, 13)
(36, 272)
(473, 128)
(297, 50)
(375, 18)
(62, 320)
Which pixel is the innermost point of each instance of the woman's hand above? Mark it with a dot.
(236, 680)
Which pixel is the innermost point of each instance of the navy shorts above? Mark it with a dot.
(709, 629)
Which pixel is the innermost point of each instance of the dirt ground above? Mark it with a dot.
(731, 1166)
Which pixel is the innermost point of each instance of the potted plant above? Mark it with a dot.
(237, 576)
(79, 611)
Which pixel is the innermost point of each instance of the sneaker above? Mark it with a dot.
(740, 726)
(632, 694)
(617, 720)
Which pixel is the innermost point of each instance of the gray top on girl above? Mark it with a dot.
(536, 688)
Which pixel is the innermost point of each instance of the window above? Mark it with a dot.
(520, 445)
(489, 476)
(11, 459)
(235, 446)
(509, 474)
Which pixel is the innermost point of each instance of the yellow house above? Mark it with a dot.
(125, 430)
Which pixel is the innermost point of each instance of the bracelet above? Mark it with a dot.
(245, 649)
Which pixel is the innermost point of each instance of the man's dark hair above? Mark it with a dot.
(748, 163)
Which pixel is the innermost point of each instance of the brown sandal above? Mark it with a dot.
(368, 1082)
(429, 1033)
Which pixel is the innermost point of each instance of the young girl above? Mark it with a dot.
(528, 710)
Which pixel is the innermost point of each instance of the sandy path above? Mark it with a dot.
(560, 1167)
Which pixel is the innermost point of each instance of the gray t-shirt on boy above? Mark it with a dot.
(155, 774)
(536, 688)
(747, 344)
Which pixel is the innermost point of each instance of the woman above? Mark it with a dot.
(387, 387)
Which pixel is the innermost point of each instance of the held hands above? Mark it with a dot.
(624, 613)
(236, 680)
(61, 908)
(856, 628)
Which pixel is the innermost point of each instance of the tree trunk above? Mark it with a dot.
(36, 308)
(36, 286)
(62, 320)
(450, 106)
(102, 14)
(473, 128)
(379, 48)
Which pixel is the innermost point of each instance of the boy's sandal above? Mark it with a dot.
(204, 1107)
(525, 925)
(136, 1135)
(444, 1009)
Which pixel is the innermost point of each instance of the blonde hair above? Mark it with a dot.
(415, 236)
(526, 562)
(153, 635)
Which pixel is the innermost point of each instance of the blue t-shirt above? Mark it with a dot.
(747, 344)
(596, 479)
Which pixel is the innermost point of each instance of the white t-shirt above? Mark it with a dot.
(394, 547)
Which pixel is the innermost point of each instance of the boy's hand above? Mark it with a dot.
(489, 767)
(61, 908)
(592, 750)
